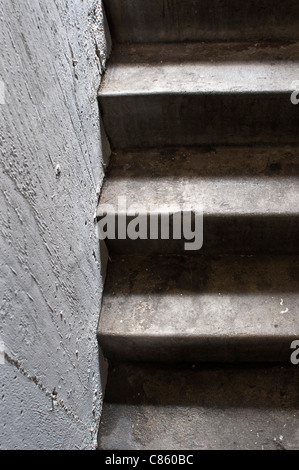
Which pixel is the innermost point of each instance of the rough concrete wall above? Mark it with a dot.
(52, 157)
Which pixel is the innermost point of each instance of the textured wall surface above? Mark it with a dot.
(52, 155)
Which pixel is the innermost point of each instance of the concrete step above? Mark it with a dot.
(162, 407)
(197, 20)
(249, 197)
(191, 94)
(223, 309)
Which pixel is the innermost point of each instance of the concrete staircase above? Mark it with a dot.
(196, 105)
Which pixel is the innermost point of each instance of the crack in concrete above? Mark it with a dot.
(51, 395)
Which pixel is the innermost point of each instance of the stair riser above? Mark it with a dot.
(199, 349)
(153, 120)
(196, 20)
(228, 234)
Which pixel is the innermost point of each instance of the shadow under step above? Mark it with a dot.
(200, 407)
(246, 200)
(196, 20)
(223, 309)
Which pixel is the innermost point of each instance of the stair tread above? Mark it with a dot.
(201, 68)
(223, 180)
(170, 304)
(155, 406)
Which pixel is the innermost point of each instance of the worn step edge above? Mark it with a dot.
(201, 68)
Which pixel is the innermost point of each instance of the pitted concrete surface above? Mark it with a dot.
(51, 166)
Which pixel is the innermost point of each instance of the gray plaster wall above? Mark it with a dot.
(52, 158)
